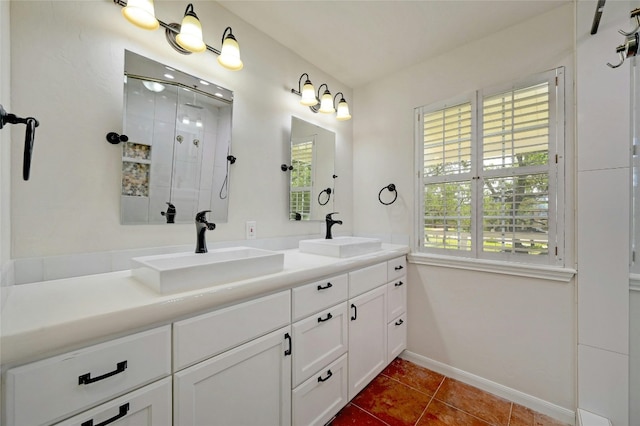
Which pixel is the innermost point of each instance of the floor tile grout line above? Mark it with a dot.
(371, 414)
(471, 414)
(468, 413)
(411, 387)
(448, 404)
(429, 403)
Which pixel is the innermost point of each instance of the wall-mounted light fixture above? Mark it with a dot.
(310, 98)
(185, 38)
(343, 108)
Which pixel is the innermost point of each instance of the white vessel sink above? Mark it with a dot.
(340, 246)
(171, 273)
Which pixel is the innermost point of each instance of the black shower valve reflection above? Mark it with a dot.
(170, 213)
(114, 138)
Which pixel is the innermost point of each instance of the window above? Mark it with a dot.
(301, 179)
(490, 166)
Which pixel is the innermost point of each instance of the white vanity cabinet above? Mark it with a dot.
(320, 343)
(238, 365)
(376, 296)
(55, 388)
(396, 308)
(292, 355)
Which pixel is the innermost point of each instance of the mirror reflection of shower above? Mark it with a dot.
(179, 129)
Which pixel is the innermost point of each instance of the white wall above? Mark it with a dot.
(517, 332)
(67, 62)
(5, 140)
(603, 200)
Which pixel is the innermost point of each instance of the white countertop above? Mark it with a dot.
(42, 319)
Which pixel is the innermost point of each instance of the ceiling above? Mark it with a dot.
(358, 42)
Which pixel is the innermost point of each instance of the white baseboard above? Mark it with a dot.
(532, 402)
(586, 418)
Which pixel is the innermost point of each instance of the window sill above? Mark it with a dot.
(544, 272)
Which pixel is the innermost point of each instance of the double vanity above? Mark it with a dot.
(278, 348)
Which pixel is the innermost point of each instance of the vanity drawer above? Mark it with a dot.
(319, 295)
(318, 340)
(396, 297)
(366, 279)
(150, 405)
(66, 384)
(196, 339)
(396, 337)
(321, 397)
(396, 268)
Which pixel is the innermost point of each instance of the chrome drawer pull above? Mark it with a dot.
(324, 379)
(397, 268)
(329, 316)
(329, 285)
(399, 283)
(399, 322)
(124, 409)
(85, 379)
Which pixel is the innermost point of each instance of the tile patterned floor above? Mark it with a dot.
(405, 394)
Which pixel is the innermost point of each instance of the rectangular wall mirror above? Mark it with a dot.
(312, 181)
(175, 161)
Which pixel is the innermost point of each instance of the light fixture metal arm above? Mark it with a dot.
(299, 91)
(174, 28)
(320, 87)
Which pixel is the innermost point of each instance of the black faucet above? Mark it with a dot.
(201, 227)
(170, 213)
(330, 222)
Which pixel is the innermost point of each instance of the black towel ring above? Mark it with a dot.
(392, 188)
(328, 192)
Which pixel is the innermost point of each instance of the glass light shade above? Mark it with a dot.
(141, 13)
(326, 103)
(190, 37)
(308, 95)
(230, 54)
(343, 111)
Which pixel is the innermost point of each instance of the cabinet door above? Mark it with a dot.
(150, 405)
(367, 338)
(397, 336)
(246, 386)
